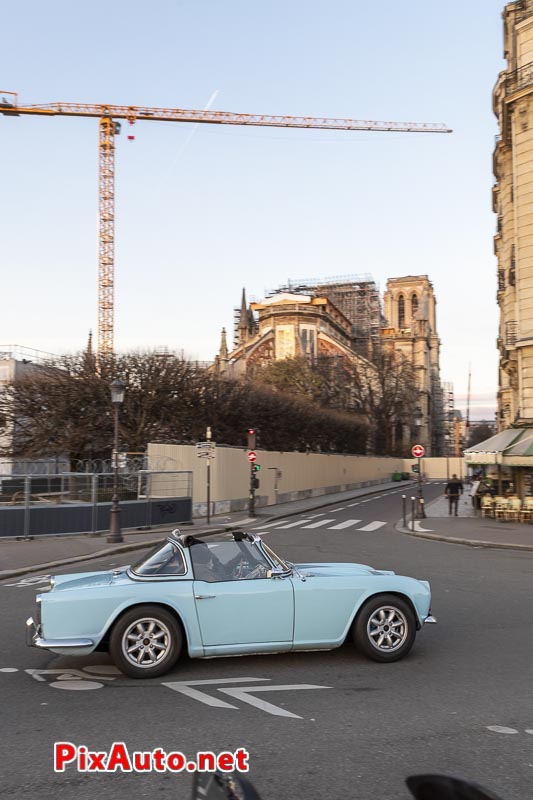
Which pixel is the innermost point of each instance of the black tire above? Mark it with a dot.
(154, 638)
(385, 628)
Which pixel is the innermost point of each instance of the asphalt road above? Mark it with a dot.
(460, 703)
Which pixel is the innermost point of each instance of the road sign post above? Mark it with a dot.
(418, 452)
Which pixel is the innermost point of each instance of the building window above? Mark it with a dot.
(308, 341)
(285, 341)
(414, 306)
(401, 312)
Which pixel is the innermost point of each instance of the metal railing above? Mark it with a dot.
(84, 497)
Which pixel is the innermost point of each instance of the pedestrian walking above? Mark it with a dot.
(453, 490)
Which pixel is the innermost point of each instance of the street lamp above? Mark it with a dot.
(420, 511)
(118, 390)
(447, 449)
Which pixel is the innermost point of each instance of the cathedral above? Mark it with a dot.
(343, 318)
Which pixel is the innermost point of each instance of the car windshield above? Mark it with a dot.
(278, 562)
(228, 561)
(166, 560)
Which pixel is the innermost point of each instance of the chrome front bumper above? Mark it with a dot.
(34, 639)
(430, 619)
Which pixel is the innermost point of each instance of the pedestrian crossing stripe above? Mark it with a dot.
(283, 524)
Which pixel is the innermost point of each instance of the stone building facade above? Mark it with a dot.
(294, 324)
(410, 309)
(512, 201)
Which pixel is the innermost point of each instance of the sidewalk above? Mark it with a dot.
(47, 552)
(41, 554)
(469, 528)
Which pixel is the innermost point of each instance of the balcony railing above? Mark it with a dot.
(519, 78)
(511, 333)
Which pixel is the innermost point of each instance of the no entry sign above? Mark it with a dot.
(417, 451)
(252, 456)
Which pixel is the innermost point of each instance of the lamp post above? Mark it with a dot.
(447, 449)
(118, 390)
(420, 511)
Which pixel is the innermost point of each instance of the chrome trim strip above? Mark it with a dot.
(135, 577)
(33, 638)
(49, 643)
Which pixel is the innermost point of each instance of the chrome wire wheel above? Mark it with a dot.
(146, 642)
(387, 629)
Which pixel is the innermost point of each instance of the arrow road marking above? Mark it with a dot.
(241, 693)
(269, 708)
(185, 688)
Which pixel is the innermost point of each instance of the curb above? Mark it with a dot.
(139, 546)
(125, 548)
(468, 542)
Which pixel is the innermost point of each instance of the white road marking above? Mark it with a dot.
(269, 525)
(243, 694)
(72, 679)
(346, 524)
(185, 688)
(75, 685)
(9, 669)
(319, 523)
(31, 581)
(351, 505)
(372, 526)
(312, 516)
(294, 524)
(528, 730)
(501, 729)
(338, 509)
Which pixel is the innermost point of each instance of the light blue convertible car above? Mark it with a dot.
(226, 594)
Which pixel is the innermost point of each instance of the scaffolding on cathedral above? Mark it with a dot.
(357, 296)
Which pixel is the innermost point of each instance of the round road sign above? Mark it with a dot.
(417, 451)
(252, 455)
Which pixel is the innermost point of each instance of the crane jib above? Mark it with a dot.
(9, 106)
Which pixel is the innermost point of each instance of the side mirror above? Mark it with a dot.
(222, 786)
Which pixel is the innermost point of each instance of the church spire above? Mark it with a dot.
(223, 351)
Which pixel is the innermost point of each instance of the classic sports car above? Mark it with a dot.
(222, 595)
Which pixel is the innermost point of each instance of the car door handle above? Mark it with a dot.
(204, 596)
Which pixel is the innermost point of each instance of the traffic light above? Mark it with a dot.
(255, 482)
(256, 467)
(251, 438)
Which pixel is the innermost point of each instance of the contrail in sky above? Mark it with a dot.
(185, 144)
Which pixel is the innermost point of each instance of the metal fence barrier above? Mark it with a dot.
(79, 502)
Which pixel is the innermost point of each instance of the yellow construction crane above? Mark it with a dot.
(108, 128)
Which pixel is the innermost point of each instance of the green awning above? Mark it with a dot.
(512, 447)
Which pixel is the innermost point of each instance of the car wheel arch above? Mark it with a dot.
(399, 595)
(164, 606)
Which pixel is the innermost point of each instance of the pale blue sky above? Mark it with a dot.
(199, 217)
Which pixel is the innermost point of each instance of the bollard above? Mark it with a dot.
(403, 511)
(422, 509)
(413, 501)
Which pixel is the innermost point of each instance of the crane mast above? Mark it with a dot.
(106, 171)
